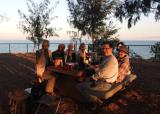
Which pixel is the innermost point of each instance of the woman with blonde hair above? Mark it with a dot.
(69, 53)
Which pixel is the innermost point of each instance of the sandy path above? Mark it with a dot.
(15, 73)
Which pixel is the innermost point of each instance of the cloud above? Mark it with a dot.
(3, 18)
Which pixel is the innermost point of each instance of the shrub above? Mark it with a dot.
(155, 49)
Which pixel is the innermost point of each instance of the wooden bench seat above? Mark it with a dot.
(118, 86)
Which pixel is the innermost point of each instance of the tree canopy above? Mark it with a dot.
(36, 25)
(89, 16)
(132, 10)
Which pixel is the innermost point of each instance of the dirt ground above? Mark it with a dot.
(141, 97)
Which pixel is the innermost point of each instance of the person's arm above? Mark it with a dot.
(39, 56)
(53, 57)
(50, 55)
(103, 69)
(40, 65)
(66, 56)
(108, 69)
(123, 70)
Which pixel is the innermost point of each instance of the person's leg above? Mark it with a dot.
(50, 85)
(66, 86)
(85, 89)
(94, 93)
(101, 86)
(51, 80)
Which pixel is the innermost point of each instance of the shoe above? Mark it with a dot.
(91, 106)
(50, 93)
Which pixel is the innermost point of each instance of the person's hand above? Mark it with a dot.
(80, 73)
(39, 80)
(119, 79)
(96, 66)
(93, 81)
(94, 78)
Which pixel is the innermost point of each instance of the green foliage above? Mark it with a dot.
(36, 25)
(99, 42)
(89, 17)
(109, 32)
(155, 49)
(132, 10)
(134, 55)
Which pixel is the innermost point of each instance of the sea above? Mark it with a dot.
(137, 48)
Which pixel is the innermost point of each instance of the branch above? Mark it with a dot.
(158, 1)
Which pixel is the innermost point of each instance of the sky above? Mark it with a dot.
(145, 29)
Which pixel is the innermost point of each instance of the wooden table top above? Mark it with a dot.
(63, 70)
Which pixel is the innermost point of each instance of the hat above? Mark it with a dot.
(123, 48)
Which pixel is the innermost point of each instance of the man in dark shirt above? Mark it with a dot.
(59, 53)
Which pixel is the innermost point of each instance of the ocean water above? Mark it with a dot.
(141, 48)
(22, 46)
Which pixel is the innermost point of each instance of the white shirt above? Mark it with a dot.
(108, 69)
(41, 62)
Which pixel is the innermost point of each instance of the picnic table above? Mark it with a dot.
(67, 87)
(70, 75)
(63, 71)
(66, 83)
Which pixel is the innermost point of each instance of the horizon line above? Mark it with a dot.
(82, 39)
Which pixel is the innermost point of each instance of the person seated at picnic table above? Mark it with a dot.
(44, 60)
(70, 54)
(105, 75)
(58, 61)
(59, 52)
(115, 51)
(82, 55)
(123, 63)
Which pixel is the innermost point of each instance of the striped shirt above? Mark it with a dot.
(123, 68)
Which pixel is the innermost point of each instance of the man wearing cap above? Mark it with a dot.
(123, 63)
